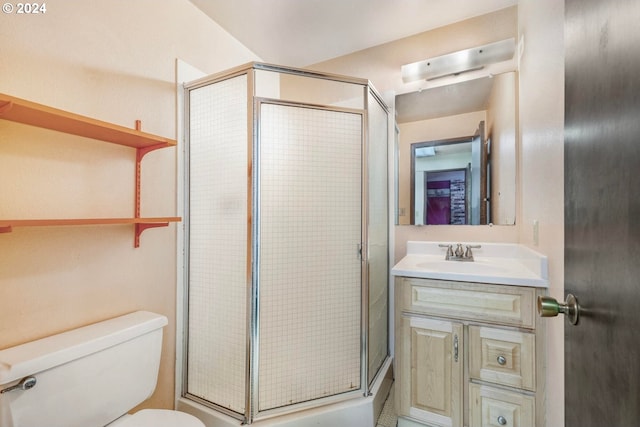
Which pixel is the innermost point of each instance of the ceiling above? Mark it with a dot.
(299, 33)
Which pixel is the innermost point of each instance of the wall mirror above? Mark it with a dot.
(456, 153)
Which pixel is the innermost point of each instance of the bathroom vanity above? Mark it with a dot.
(470, 349)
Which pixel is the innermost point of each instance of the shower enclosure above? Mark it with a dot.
(286, 240)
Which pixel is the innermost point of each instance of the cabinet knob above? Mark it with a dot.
(502, 420)
(501, 360)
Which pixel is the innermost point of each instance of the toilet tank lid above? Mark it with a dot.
(36, 356)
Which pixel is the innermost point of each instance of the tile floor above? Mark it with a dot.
(388, 417)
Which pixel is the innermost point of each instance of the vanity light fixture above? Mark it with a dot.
(459, 62)
(425, 151)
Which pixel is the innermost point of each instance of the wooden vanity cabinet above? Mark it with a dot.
(468, 354)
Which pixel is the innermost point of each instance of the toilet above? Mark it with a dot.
(88, 377)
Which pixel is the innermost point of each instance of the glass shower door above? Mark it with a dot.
(309, 275)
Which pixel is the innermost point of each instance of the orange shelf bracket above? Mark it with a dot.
(143, 226)
(140, 153)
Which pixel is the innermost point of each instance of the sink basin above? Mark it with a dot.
(499, 263)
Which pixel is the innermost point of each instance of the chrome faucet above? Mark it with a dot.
(459, 251)
(459, 254)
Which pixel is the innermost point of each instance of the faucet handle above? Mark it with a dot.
(449, 251)
(468, 253)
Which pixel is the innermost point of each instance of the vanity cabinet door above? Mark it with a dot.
(431, 371)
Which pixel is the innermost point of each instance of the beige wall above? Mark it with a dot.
(501, 128)
(541, 24)
(115, 61)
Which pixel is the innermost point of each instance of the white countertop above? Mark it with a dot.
(499, 263)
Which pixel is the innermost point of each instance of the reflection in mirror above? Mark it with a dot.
(457, 153)
(449, 181)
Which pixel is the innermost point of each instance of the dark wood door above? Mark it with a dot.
(602, 212)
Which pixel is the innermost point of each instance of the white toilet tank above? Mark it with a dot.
(85, 377)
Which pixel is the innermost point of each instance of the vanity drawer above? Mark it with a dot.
(502, 356)
(507, 305)
(490, 407)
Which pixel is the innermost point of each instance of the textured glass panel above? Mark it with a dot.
(218, 157)
(309, 90)
(378, 238)
(310, 273)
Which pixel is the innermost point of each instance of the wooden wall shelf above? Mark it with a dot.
(30, 113)
(4, 223)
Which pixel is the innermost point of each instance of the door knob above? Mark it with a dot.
(550, 307)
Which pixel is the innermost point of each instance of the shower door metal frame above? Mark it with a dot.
(251, 414)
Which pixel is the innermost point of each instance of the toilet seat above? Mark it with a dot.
(159, 418)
